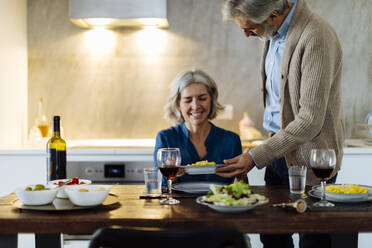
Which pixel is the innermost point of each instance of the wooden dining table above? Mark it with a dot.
(131, 211)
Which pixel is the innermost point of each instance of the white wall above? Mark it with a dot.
(13, 72)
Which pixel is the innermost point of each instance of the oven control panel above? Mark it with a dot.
(109, 172)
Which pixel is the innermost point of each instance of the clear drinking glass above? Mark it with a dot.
(169, 160)
(323, 162)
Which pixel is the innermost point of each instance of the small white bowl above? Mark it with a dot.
(36, 197)
(95, 195)
(61, 192)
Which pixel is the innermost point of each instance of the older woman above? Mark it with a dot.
(192, 103)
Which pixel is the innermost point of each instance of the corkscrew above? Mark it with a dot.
(300, 205)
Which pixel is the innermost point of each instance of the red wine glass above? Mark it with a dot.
(323, 162)
(169, 160)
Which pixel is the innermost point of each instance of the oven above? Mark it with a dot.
(109, 172)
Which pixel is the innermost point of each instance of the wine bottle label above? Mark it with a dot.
(56, 165)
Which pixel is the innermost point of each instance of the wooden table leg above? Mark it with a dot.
(47, 240)
(349, 240)
(9, 241)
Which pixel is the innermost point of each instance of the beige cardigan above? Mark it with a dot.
(309, 94)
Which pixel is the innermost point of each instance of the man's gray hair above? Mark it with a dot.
(256, 11)
(182, 80)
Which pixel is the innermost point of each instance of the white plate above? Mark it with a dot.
(195, 187)
(317, 194)
(342, 197)
(229, 209)
(201, 169)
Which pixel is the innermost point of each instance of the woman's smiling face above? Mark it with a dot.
(195, 104)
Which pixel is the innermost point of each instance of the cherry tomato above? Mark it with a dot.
(75, 180)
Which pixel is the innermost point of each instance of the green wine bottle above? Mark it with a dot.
(56, 150)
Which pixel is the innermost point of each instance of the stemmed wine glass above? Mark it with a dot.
(169, 160)
(323, 162)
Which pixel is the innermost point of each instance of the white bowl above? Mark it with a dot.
(36, 197)
(61, 192)
(95, 195)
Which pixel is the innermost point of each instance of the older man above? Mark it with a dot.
(301, 70)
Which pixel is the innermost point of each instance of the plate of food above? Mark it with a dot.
(201, 167)
(233, 198)
(194, 187)
(344, 192)
(63, 183)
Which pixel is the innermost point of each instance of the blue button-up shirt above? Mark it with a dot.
(272, 69)
(273, 60)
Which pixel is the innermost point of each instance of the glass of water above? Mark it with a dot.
(153, 180)
(297, 179)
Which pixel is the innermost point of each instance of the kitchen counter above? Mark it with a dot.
(130, 150)
(133, 146)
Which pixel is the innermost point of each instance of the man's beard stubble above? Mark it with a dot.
(269, 32)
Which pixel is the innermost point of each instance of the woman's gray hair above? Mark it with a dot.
(182, 80)
(256, 11)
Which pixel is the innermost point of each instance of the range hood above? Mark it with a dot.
(118, 13)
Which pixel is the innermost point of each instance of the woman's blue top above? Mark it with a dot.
(220, 143)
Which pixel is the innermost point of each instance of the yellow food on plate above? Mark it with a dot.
(83, 190)
(203, 162)
(346, 189)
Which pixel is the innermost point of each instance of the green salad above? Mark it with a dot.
(236, 194)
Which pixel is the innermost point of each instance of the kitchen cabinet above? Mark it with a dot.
(21, 167)
(356, 166)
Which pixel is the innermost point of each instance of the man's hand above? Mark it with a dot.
(239, 165)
